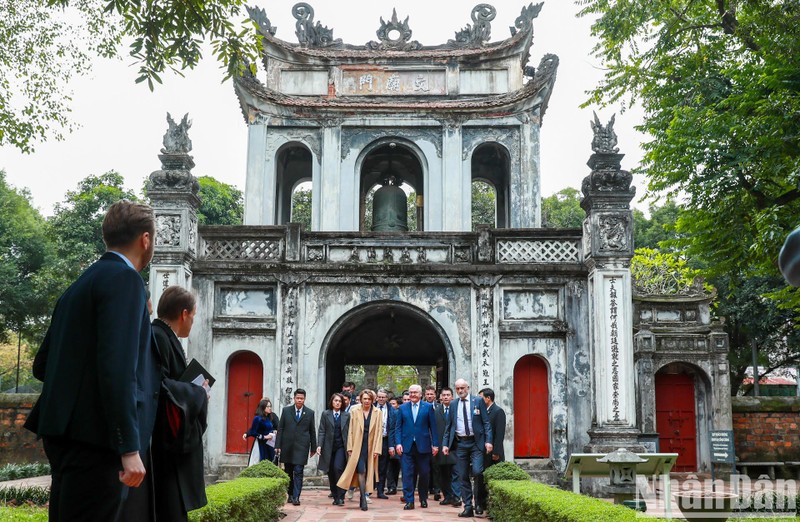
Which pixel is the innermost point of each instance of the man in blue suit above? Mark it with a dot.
(416, 441)
(470, 433)
(101, 376)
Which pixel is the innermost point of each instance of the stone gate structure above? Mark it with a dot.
(543, 316)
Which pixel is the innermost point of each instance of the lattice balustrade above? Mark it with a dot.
(235, 249)
(538, 251)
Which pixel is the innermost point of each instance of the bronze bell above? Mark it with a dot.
(389, 208)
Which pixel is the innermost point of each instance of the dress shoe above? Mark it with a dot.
(467, 513)
(289, 499)
(456, 502)
(437, 496)
(391, 491)
(446, 501)
(409, 505)
(338, 502)
(479, 510)
(296, 501)
(381, 495)
(423, 503)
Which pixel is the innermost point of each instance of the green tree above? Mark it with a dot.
(719, 82)
(76, 225)
(220, 203)
(563, 209)
(301, 207)
(657, 230)
(24, 251)
(484, 204)
(47, 43)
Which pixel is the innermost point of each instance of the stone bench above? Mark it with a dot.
(769, 465)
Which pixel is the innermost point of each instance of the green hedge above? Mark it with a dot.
(20, 471)
(264, 469)
(19, 495)
(505, 471)
(243, 500)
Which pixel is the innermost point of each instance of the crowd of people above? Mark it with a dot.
(377, 442)
(122, 425)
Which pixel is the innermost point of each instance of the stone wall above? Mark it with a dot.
(18, 445)
(766, 428)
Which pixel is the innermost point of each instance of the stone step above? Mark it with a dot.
(227, 472)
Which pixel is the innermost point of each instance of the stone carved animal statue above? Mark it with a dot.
(605, 139)
(176, 140)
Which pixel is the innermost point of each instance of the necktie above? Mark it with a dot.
(446, 412)
(336, 416)
(466, 417)
(414, 411)
(297, 417)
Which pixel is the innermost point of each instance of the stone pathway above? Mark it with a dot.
(30, 481)
(316, 506)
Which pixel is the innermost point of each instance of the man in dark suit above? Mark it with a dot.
(296, 442)
(497, 420)
(101, 376)
(443, 464)
(393, 471)
(471, 433)
(383, 461)
(416, 440)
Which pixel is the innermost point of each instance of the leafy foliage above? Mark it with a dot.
(244, 499)
(220, 203)
(563, 209)
(484, 204)
(20, 471)
(659, 229)
(719, 82)
(18, 495)
(665, 273)
(24, 251)
(301, 207)
(264, 469)
(46, 44)
(505, 471)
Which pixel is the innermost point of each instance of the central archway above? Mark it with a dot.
(385, 333)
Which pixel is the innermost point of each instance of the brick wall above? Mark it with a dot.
(766, 428)
(18, 445)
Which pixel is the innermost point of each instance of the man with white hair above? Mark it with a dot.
(416, 440)
(469, 430)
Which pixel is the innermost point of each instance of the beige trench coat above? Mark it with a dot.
(375, 446)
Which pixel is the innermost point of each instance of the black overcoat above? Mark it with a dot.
(325, 436)
(296, 439)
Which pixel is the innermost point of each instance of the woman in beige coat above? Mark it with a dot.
(364, 446)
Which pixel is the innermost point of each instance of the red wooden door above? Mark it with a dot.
(676, 420)
(531, 408)
(245, 377)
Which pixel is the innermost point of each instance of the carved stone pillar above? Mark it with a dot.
(424, 376)
(173, 195)
(371, 377)
(608, 249)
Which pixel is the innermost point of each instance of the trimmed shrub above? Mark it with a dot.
(18, 495)
(264, 469)
(21, 471)
(23, 513)
(243, 500)
(505, 471)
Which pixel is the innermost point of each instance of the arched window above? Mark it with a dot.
(301, 204)
(491, 164)
(293, 169)
(399, 162)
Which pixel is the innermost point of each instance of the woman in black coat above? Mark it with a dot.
(177, 450)
(334, 425)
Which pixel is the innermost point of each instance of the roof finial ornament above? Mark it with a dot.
(259, 16)
(176, 140)
(308, 33)
(605, 139)
(394, 35)
(526, 17)
(476, 35)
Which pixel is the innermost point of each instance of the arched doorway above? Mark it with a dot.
(293, 164)
(531, 408)
(245, 380)
(385, 334)
(676, 416)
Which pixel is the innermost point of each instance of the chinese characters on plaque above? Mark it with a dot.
(386, 83)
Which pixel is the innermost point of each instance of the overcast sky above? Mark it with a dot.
(122, 123)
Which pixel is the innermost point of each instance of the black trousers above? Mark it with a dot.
(295, 472)
(86, 484)
(393, 474)
(383, 466)
(337, 464)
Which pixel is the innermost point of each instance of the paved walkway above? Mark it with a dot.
(31, 481)
(316, 506)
